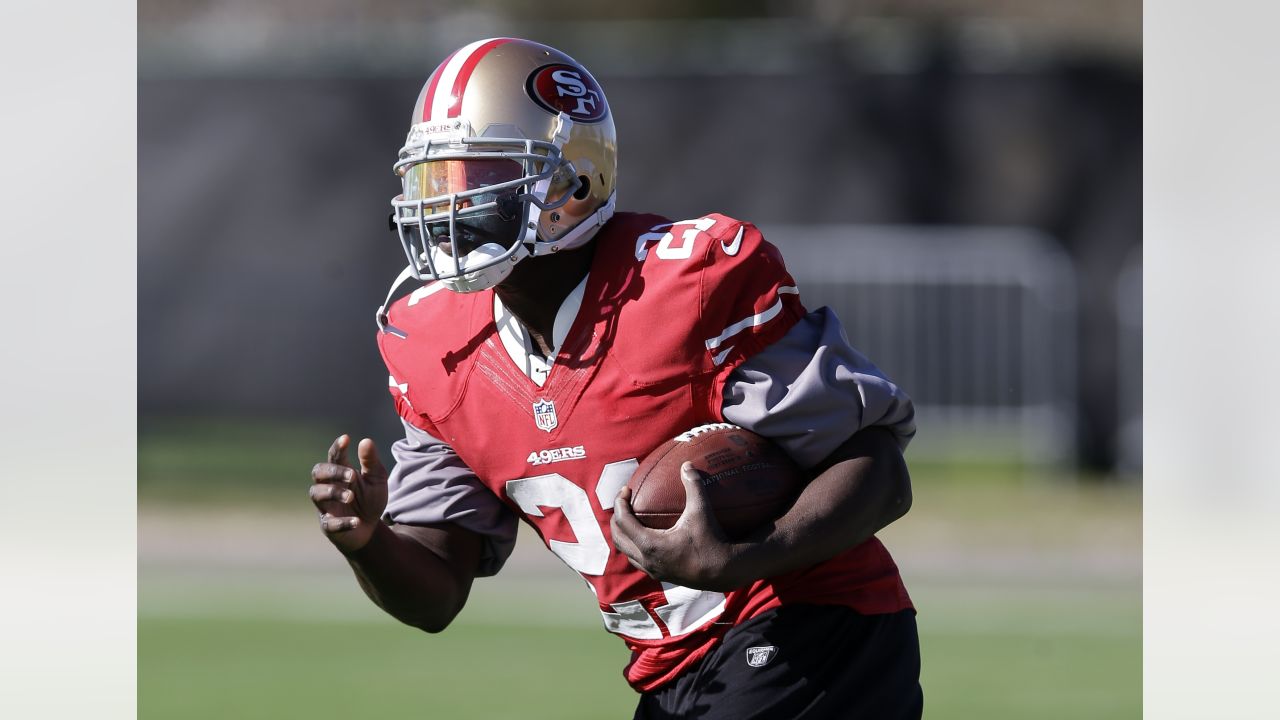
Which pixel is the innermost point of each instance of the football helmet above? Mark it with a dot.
(511, 154)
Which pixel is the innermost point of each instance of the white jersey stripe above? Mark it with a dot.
(444, 88)
(753, 321)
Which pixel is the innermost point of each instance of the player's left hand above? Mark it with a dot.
(693, 552)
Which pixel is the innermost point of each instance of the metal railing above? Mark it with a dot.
(976, 324)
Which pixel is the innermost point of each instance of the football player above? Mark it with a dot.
(551, 344)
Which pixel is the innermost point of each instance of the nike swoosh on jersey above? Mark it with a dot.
(732, 248)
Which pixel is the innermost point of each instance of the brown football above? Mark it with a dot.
(749, 479)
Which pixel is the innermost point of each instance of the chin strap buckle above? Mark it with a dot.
(564, 125)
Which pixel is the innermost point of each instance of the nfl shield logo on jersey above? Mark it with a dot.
(760, 656)
(544, 414)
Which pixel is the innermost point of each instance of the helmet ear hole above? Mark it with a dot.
(584, 189)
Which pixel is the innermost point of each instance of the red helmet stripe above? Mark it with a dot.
(464, 73)
(430, 95)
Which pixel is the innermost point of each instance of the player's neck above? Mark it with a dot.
(537, 287)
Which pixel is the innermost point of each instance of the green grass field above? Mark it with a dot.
(1029, 599)
(244, 668)
(975, 665)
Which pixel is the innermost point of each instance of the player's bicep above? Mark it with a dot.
(462, 550)
(811, 391)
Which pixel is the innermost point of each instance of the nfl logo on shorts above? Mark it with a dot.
(760, 656)
(544, 414)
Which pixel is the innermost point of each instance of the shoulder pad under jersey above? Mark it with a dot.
(712, 292)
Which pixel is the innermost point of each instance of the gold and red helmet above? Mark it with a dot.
(511, 153)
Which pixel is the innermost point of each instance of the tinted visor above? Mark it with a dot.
(446, 177)
(479, 218)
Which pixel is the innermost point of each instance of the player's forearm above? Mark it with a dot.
(408, 580)
(862, 487)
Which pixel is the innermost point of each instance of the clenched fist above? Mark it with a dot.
(350, 501)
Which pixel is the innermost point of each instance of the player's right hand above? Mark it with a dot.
(350, 500)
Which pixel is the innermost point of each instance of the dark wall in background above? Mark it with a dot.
(264, 249)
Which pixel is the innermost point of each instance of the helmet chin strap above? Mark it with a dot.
(583, 231)
(380, 317)
(533, 213)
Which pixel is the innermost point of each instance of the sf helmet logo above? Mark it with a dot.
(564, 88)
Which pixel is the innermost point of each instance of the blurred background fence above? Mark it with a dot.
(266, 135)
(978, 323)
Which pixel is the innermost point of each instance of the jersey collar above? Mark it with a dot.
(515, 337)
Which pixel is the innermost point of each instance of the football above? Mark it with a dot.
(749, 479)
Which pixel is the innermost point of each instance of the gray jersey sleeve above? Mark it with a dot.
(810, 391)
(430, 484)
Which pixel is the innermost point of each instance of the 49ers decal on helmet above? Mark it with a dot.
(565, 88)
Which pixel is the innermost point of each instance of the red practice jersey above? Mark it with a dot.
(669, 310)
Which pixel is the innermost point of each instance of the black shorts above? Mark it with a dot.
(802, 661)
